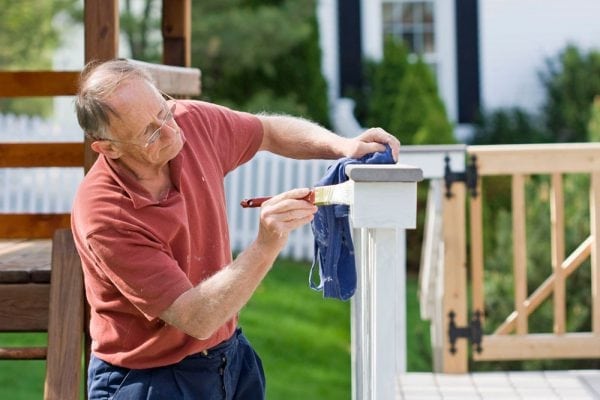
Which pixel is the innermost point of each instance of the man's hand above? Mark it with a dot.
(370, 141)
(203, 309)
(283, 213)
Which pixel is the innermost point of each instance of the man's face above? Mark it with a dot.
(141, 112)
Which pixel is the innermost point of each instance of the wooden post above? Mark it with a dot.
(101, 30)
(595, 253)
(558, 252)
(431, 159)
(177, 32)
(519, 251)
(65, 322)
(476, 218)
(385, 201)
(101, 19)
(454, 299)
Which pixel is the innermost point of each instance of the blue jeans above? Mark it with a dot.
(230, 370)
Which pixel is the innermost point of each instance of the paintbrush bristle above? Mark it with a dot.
(342, 193)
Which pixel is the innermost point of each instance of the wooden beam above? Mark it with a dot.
(536, 158)
(101, 22)
(595, 256)
(24, 307)
(455, 278)
(65, 324)
(176, 81)
(27, 155)
(557, 232)
(23, 353)
(570, 265)
(539, 346)
(32, 226)
(25, 261)
(519, 251)
(38, 83)
(177, 32)
(476, 214)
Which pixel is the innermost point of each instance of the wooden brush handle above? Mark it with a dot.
(254, 202)
(258, 201)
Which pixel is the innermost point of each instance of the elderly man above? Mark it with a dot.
(149, 222)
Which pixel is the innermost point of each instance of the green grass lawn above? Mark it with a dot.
(22, 379)
(303, 340)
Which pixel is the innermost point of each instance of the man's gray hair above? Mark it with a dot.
(97, 82)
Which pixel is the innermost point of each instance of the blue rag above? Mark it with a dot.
(334, 249)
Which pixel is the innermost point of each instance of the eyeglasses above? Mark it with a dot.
(154, 135)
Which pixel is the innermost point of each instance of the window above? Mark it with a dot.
(412, 22)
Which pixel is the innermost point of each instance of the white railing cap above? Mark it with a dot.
(433, 148)
(431, 158)
(384, 173)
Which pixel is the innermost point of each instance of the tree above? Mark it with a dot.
(141, 28)
(508, 126)
(401, 97)
(571, 80)
(594, 124)
(260, 55)
(28, 40)
(382, 84)
(419, 115)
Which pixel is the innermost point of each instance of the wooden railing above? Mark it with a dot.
(512, 339)
(29, 155)
(519, 161)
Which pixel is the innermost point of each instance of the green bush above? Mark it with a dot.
(508, 126)
(261, 54)
(594, 124)
(401, 97)
(571, 81)
(28, 41)
(419, 116)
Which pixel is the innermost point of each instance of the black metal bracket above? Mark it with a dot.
(472, 332)
(469, 176)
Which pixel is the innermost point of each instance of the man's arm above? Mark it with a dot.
(302, 139)
(203, 309)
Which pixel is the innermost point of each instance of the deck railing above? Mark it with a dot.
(512, 339)
(555, 161)
(384, 205)
(444, 280)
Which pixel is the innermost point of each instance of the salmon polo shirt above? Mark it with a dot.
(139, 255)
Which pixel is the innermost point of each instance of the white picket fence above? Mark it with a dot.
(62, 127)
(267, 174)
(51, 190)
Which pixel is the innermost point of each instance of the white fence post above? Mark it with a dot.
(385, 204)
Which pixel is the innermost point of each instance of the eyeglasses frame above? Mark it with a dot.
(153, 137)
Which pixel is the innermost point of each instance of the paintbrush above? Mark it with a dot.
(342, 193)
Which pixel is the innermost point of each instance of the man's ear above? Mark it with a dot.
(107, 148)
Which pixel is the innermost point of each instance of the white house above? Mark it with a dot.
(486, 53)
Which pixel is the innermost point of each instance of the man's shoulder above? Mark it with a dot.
(99, 201)
(200, 106)
(209, 111)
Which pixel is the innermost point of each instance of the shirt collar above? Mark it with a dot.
(139, 196)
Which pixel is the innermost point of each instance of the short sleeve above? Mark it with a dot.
(234, 136)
